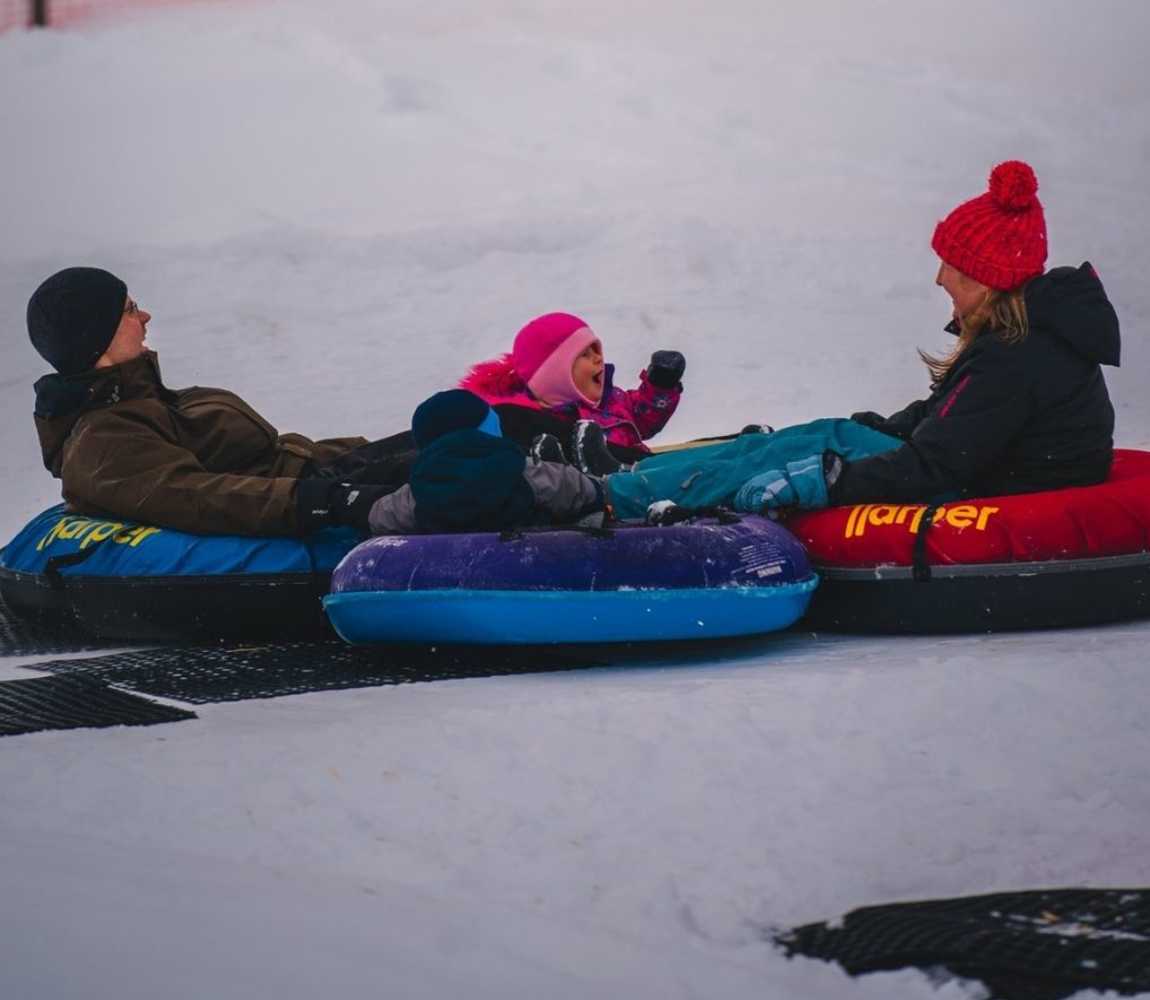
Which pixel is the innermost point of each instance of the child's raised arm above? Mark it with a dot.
(660, 387)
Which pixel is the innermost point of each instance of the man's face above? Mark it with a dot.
(128, 341)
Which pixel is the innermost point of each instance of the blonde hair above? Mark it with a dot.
(1000, 313)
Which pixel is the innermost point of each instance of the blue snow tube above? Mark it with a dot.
(710, 578)
(125, 580)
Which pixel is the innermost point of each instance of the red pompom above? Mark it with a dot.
(1013, 186)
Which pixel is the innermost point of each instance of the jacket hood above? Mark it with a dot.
(61, 400)
(1071, 304)
(497, 382)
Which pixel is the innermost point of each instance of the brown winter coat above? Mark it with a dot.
(198, 459)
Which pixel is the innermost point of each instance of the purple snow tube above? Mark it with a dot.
(708, 578)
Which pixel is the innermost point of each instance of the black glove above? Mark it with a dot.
(322, 502)
(868, 418)
(666, 369)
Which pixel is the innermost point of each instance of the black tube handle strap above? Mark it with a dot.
(921, 565)
(56, 563)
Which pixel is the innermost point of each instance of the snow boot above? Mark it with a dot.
(589, 448)
(546, 448)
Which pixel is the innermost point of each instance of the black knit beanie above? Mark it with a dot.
(73, 316)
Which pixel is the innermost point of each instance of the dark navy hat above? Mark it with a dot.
(73, 316)
(452, 410)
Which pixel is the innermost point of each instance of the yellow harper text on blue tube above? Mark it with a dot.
(88, 531)
(963, 515)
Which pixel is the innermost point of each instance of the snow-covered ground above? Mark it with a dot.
(333, 208)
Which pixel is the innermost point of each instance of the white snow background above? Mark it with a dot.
(334, 208)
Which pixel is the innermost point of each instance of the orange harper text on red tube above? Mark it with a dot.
(882, 515)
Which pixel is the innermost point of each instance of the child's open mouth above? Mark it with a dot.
(597, 378)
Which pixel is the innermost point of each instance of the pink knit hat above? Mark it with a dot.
(998, 238)
(544, 353)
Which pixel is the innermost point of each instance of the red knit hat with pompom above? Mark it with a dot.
(998, 238)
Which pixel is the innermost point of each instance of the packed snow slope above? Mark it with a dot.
(334, 208)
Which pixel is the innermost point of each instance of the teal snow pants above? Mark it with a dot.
(712, 474)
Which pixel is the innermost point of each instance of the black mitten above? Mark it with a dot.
(321, 502)
(868, 418)
(666, 369)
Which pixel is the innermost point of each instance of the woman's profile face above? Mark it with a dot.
(965, 293)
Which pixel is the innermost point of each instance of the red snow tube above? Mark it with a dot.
(1076, 556)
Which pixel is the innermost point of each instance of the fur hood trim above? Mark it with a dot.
(497, 382)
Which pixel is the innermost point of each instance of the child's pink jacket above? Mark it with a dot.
(628, 416)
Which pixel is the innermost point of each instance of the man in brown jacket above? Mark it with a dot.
(198, 459)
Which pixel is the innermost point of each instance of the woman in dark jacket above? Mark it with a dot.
(1019, 405)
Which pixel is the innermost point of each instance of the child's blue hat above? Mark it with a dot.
(452, 410)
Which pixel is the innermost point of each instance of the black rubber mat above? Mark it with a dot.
(1041, 945)
(237, 672)
(73, 701)
(202, 674)
(20, 637)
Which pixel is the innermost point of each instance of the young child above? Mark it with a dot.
(555, 377)
(468, 477)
